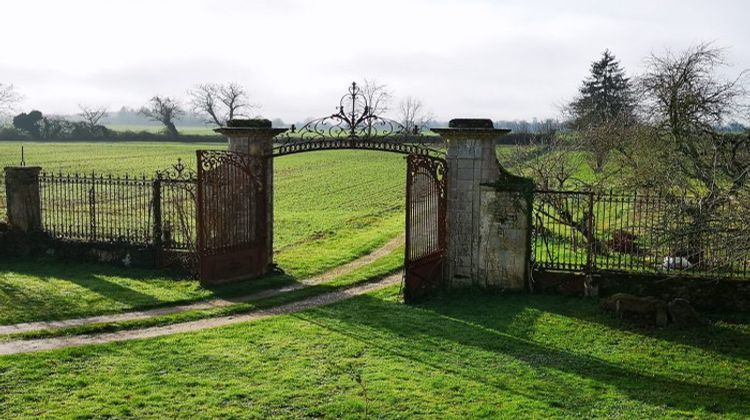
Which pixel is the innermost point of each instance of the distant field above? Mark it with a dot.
(190, 129)
(331, 206)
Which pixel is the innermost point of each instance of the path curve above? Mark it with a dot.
(27, 346)
(329, 275)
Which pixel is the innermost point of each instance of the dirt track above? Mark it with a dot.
(26, 346)
(213, 303)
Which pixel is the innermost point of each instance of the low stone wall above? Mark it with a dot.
(16, 243)
(704, 294)
(557, 282)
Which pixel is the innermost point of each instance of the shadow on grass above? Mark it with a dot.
(39, 306)
(428, 334)
(711, 337)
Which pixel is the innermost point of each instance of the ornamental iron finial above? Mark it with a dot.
(355, 119)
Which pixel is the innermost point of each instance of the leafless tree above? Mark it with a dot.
(412, 114)
(556, 163)
(8, 99)
(699, 169)
(686, 101)
(219, 103)
(165, 110)
(377, 95)
(553, 162)
(92, 115)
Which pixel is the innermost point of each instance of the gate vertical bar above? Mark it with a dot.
(590, 288)
(157, 221)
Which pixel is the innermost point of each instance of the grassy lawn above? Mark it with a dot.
(330, 208)
(378, 269)
(44, 290)
(470, 356)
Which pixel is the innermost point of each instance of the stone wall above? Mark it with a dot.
(16, 243)
(704, 294)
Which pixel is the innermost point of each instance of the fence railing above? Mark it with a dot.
(135, 210)
(643, 233)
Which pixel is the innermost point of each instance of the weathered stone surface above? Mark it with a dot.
(503, 240)
(22, 197)
(482, 123)
(702, 293)
(647, 306)
(34, 244)
(249, 123)
(682, 313)
(486, 236)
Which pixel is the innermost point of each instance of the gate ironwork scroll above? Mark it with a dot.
(232, 227)
(425, 226)
(356, 124)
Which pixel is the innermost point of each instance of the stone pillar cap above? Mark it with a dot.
(235, 131)
(471, 125)
(22, 168)
(252, 126)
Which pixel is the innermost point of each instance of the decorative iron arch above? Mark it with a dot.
(355, 125)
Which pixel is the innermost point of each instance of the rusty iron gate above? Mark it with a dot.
(232, 227)
(425, 226)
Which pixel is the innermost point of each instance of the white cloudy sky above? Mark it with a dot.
(499, 59)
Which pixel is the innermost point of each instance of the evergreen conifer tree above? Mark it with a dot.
(604, 96)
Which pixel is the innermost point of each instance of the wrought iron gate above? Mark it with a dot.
(425, 226)
(232, 226)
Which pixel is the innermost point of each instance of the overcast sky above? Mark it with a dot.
(477, 58)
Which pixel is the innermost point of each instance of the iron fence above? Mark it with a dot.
(643, 233)
(135, 210)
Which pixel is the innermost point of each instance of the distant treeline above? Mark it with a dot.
(35, 126)
(12, 134)
(526, 132)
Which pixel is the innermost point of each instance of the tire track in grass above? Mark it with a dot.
(27, 346)
(28, 327)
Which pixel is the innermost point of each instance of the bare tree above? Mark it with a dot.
(92, 115)
(377, 95)
(552, 161)
(219, 103)
(686, 101)
(8, 99)
(700, 170)
(165, 110)
(555, 163)
(413, 115)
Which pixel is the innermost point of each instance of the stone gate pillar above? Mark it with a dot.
(22, 197)
(255, 137)
(488, 230)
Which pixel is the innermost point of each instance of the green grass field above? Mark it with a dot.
(330, 208)
(487, 356)
(187, 130)
(467, 356)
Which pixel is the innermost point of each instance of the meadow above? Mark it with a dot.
(330, 208)
(471, 355)
(200, 130)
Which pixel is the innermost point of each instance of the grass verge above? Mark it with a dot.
(374, 271)
(468, 356)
